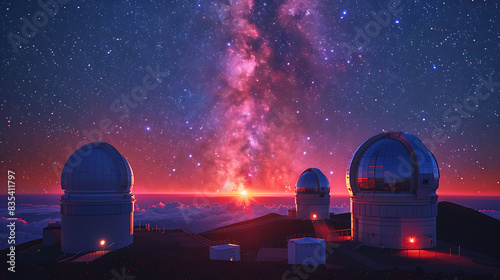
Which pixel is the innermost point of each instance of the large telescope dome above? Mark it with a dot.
(393, 162)
(97, 207)
(392, 179)
(97, 167)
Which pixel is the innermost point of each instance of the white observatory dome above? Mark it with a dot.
(97, 208)
(393, 162)
(313, 181)
(392, 179)
(312, 195)
(97, 167)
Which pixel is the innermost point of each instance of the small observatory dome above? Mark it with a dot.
(312, 195)
(313, 181)
(97, 206)
(97, 167)
(392, 179)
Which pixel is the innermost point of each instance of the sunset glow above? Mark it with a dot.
(244, 198)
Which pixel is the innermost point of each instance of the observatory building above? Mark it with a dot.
(97, 205)
(312, 195)
(225, 252)
(307, 251)
(392, 179)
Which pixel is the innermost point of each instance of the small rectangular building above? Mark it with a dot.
(307, 251)
(225, 252)
(52, 234)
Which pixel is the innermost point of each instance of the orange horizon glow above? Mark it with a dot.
(443, 190)
(245, 198)
(269, 194)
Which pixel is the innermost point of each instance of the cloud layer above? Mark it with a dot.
(24, 231)
(175, 215)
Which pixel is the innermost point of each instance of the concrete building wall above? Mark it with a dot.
(88, 219)
(308, 205)
(231, 253)
(394, 222)
(51, 236)
(307, 254)
(82, 234)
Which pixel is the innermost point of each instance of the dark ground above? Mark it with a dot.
(459, 225)
(270, 235)
(157, 255)
(149, 258)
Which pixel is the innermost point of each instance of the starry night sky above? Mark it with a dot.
(248, 94)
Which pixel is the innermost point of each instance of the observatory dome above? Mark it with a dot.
(393, 162)
(97, 207)
(312, 195)
(392, 179)
(313, 181)
(97, 167)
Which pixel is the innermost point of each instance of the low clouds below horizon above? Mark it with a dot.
(175, 215)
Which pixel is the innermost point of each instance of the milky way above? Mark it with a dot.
(254, 145)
